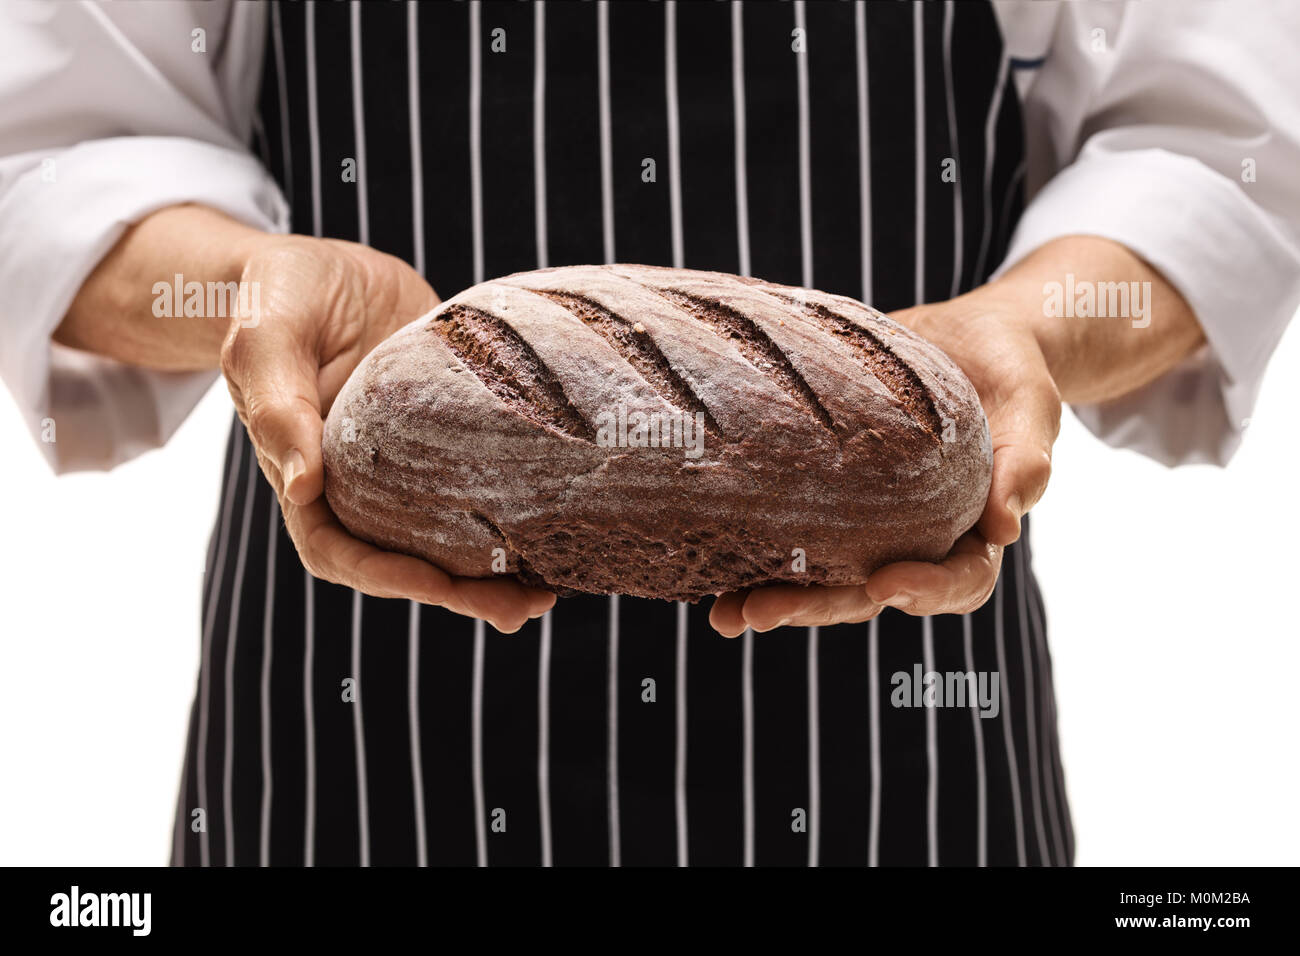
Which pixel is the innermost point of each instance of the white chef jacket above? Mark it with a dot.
(1140, 119)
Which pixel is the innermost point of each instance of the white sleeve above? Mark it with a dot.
(1173, 128)
(109, 113)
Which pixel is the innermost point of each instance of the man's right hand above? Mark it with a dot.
(324, 304)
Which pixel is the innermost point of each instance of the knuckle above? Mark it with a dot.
(1048, 392)
(1050, 397)
(234, 350)
(508, 624)
(1036, 468)
(261, 416)
(1043, 466)
(309, 562)
(313, 565)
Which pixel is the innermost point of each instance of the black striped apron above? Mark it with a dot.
(803, 143)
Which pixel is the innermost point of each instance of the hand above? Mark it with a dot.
(324, 305)
(985, 333)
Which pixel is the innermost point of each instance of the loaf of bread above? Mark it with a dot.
(657, 432)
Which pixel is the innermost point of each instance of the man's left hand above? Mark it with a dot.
(985, 333)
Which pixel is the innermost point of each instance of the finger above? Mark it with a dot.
(503, 602)
(957, 585)
(787, 605)
(1023, 430)
(272, 374)
(330, 553)
(726, 616)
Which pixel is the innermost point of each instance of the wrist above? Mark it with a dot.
(1019, 296)
(1105, 320)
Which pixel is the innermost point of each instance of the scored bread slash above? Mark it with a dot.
(656, 432)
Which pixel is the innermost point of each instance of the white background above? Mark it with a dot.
(1168, 597)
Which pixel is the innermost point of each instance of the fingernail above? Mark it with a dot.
(1013, 505)
(900, 600)
(292, 466)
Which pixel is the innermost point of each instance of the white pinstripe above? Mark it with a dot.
(1031, 723)
(814, 750)
(674, 133)
(1008, 738)
(181, 825)
(805, 150)
(606, 130)
(359, 126)
(268, 641)
(363, 236)
(309, 719)
(313, 118)
(205, 672)
(417, 146)
(864, 148)
(1058, 776)
(1016, 175)
(868, 293)
(873, 697)
(918, 125)
(476, 218)
(981, 773)
(539, 130)
(806, 249)
(183, 819)
(476, 138)
(1045, 701)
(277, 39)
(544, 738)
(232, 639)
(931, 752)
(958, 243)
(990, 153)
(309, 591)
(417, 228)
(543, 258)
(927, 623)
(738, 113)
(742, 238)
(611, 726)
(747, 711)
(679, 772)
(476, 743)
(413, 710)
(359, 736)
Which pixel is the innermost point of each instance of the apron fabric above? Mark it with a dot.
(802, 143)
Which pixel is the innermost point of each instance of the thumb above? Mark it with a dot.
(272, 375)
(1023, 432)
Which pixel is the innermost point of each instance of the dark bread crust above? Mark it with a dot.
(477, 427)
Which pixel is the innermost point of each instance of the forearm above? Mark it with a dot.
(114, 312)
(1101, 356)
